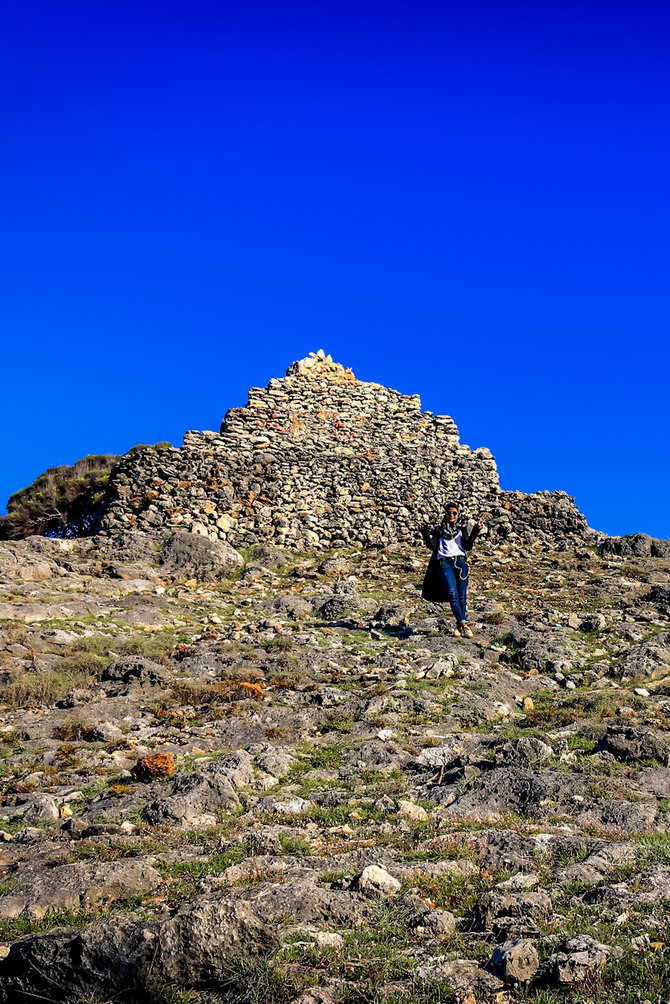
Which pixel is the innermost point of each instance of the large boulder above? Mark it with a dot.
(136, 670)
(129, 554)
(650, 659)
(193, 947)
(659, 595)
(306, 903)
(543, 793)
(198, 943)
(511, 913)
(649, 886)
(195, 799)
(638, 545)
(582, 957)
(20, 559)
(190, 556)
(526, 751)
(637, 742)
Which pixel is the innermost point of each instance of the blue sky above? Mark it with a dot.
(469, 202)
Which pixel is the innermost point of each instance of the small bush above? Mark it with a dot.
(497, 617)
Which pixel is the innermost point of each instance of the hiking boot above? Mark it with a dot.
(456, 633)
(466, 631)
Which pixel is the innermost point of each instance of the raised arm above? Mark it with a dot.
(470, 534)
(429, 535)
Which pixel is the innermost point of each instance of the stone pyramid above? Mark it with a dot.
(319, 459)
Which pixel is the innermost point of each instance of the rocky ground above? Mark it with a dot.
(277, 778)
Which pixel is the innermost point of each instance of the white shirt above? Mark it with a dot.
(450, 548)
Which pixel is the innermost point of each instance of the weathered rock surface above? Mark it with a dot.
(376, 881)
(85, 884)
(517, 960)
(513, 913)
(189, 556)
(632, 743)
(193, 947)
(583, 956)
(648, 660)
(137, 670)
(194, 799)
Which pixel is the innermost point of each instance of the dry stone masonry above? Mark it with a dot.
(319, 459)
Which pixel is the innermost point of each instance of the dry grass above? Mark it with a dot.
(73, 729)
(31, 689)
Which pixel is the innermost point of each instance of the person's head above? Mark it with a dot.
(451, 512)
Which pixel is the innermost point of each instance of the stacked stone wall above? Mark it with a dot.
(319, 459)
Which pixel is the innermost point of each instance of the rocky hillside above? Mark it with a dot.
(270, 775)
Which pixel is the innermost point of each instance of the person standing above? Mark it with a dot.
(446, 578)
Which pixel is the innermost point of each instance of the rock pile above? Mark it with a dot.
(320, 459)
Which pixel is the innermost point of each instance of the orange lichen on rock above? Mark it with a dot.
(154, 766)
(256, 690)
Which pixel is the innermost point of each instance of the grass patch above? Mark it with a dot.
(294, 845)
(18, 927)
(326, 755)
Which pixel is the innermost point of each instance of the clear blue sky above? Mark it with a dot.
(468, 201)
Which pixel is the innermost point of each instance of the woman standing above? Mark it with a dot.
(447, 574)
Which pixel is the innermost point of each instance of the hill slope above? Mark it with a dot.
(242, 761)
(513, 789)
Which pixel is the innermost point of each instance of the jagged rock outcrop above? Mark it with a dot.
(320, 459)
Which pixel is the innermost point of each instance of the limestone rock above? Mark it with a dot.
(202, 938)
(639, 544)
(306, 903)
(648, 660)
(83, 884)
(19, 560)
(275, 762)
(38, 809)
(435, 923)
(409, 810)
(513, 913)
(652, 885)
(136, 670)
(193, 947)
(106, 732)
(523, 752)
(517, 960)
(376, 881)
(582, 956)
(628, 742)
(194, 799)
(189, 556)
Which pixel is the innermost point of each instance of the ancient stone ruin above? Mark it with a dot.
(319, 459)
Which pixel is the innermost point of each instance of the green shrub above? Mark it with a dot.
(64, 501)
